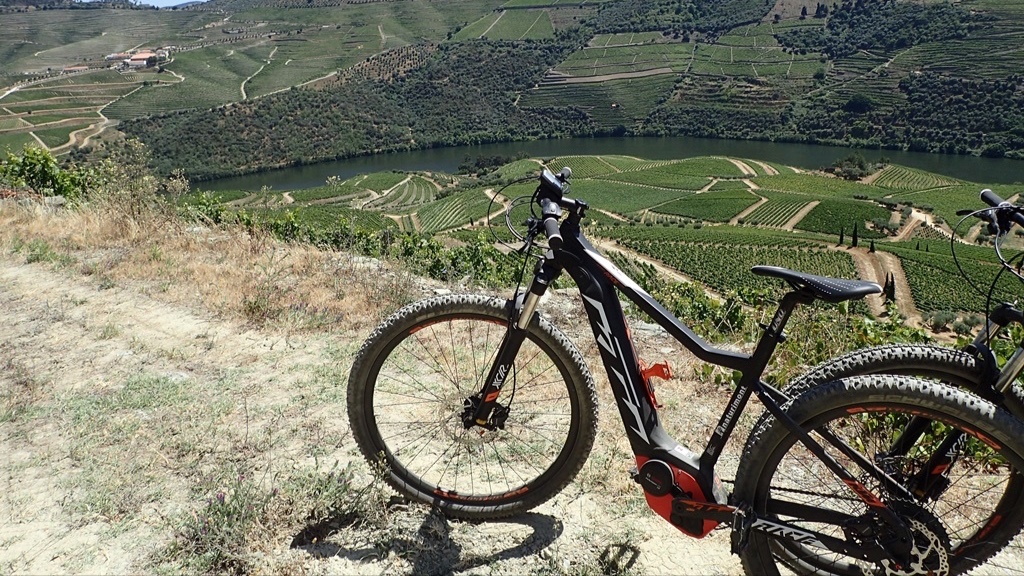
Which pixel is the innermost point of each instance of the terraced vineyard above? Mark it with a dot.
(518, 169)
(690, 174)
(815, 185)
(935, 282)
(755, 62)
(686, 230)
(629, 163)
(582, 166)
(329, 217)
(729, 185)
(728, 235)
(618, 59)
(411, 193)
(382, 181)
(213, 76)
(726, 268)
(710, 206)
(609, 104)
(341, 193)
(58, 38)
(456, 210)
(622, 197)
(835, 215)
(780, 208)
(510, 25)
(623, 39)
(944, 202)
(896, 177)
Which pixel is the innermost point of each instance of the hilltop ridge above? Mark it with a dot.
(257, 84)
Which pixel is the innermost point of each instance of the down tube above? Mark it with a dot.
(647, 439)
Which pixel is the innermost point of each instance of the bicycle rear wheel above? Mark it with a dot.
(416, 377)
(975, 516)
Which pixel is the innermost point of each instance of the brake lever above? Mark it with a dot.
(533, 227)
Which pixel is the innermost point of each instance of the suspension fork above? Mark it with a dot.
(523, 309)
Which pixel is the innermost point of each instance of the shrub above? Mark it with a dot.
(37, 170)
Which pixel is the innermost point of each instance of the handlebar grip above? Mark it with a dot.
(993, 199)
(553, 233)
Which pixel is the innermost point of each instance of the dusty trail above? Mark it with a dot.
(80, 343)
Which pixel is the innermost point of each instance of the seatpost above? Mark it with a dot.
(774, 333)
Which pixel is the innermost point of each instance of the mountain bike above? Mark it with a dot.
(481, 407)
(974, 368)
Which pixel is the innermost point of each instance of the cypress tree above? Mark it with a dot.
(872, 249)
(842, 232)
(853, 241)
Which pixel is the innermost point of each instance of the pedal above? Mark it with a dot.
(742, 521)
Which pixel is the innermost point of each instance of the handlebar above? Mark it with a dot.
(551, 212)
(551, 197)
(1005, 212)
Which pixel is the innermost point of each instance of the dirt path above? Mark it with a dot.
(907, 230)
(870, 178)
(869, 268)
(270, 59)
(736, 219)
(605, 77)
(606, 246)
(71, 339)
(792, 222)
(743, 166)
(768, 168)
(81, 347)
(613, 215)
(904, 299)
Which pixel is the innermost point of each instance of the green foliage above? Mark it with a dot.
(714, 319)
(671, 16)
(214, 540)
(37, 169)
(937, 285)
(886, 25)
(896, 177)
(816, 186)
(622, 197)
(833, 214)
(710, 206)
(778, 210)
(853, 167)
(726, 268)
(205, 207)
(461, 94)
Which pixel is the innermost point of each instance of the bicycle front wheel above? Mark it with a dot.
(416, 377)
(972, 515)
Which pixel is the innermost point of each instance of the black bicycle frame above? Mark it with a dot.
(599, 280)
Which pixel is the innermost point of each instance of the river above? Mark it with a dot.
(970, 168)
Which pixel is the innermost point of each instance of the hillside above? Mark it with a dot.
(143, 408)
(698, 217)
(174, 367)
(254, 84)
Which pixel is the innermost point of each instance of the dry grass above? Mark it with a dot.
(214, 442)
(227, 270)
